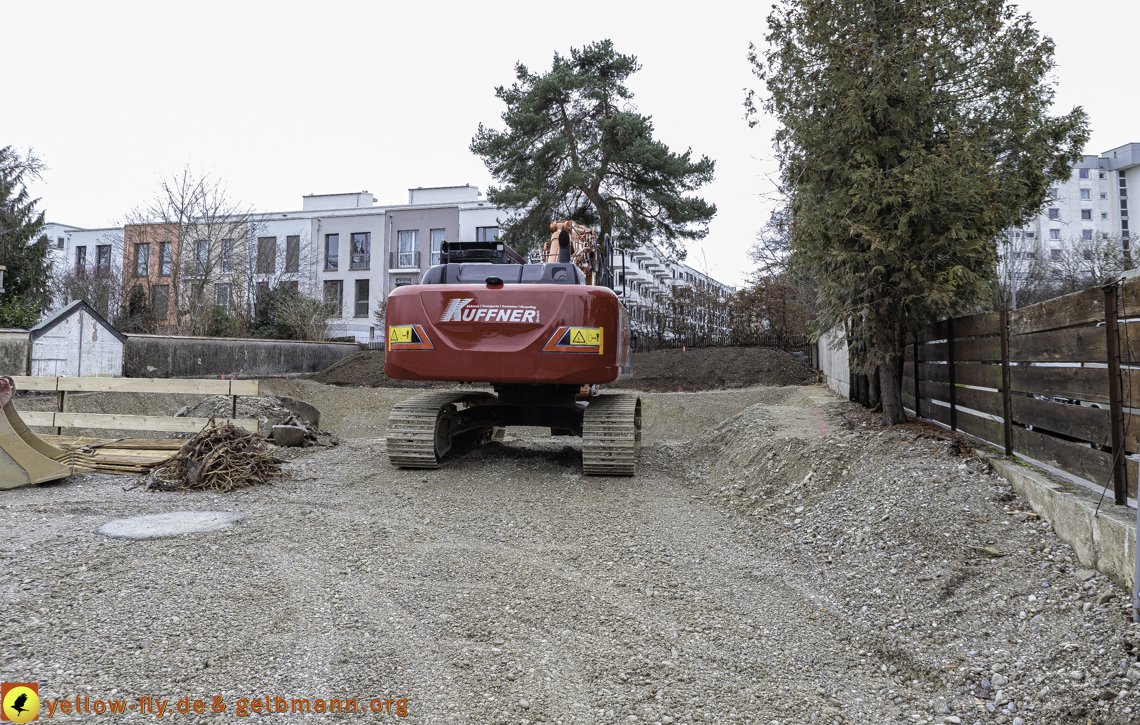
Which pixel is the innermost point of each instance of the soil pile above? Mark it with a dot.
(364, 369)
(715, 368)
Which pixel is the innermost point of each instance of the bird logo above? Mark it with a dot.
(21, 702)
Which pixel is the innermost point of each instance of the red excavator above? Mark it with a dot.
(543, 335)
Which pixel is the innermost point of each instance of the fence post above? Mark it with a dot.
(950, 372)
(1115, 397)
(917, 397)
(1006, 398)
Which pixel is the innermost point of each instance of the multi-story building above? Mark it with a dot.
(343, 248)
(665, 297)
(1088, 209)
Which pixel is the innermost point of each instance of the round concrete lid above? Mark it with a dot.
(172, 524)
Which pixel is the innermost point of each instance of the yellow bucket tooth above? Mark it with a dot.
(24, 457)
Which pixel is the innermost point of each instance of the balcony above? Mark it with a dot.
(403, 261)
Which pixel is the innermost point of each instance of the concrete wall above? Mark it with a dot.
(169, 356)
(833, 360)
(15, 351)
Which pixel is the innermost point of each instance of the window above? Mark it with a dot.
(334, 296)
(332, 252)
(1031, 255)
(1087, 254)
(1104, 215)
(1054, 233)
(361, 298)
(266, 255)
(1054, 254)
(227, 256)
(406, 253)
(1104, 195)
(222, 296)
(202, 257)
(1086, 234)
(160, 302)
(361, 250)
(1101, 174)
(142, 260)
(486, 234)
(1086, 214)
(103, 259)
(1104, 235)
(1029, 235)
(1084, 173)
(80, 259)
(1015, 235)
(1054, 213)
(259, 292)
(292, 254)
(437, 237)
(291, 285)
(1054, 194)
(59, 243)
(164, 262)
(1086, 194)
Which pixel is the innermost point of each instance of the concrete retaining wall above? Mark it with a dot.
(15, 352)
(172, 356)
(833, 360)
(1105, 541)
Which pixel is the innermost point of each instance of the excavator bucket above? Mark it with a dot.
(24, 457)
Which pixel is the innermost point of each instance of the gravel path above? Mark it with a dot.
(761, 572)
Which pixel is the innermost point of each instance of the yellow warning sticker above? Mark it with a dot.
(586, 336)
(403, 333)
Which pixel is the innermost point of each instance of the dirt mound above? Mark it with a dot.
(364, 369)
(716, 368)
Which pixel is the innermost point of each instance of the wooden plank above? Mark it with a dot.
(984, 428)
(982, 376)
(1079, 308)
(908, 385)
(933, 371)
(1075, 458)
(128, 422)
(933, 391)
(41, 418)
(249, 388)
(932, 351)
(932, 411)
(979, 325)
(1076, 344)
(979, 349)
(937, 331)
(145, 385)
(908, 400)
(1087, 384)
(1076, 421)
(983, 401)
(26, 382)
(147, 444)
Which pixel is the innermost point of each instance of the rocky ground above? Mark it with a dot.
(777, 559)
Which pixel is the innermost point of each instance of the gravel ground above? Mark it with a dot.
(784, 564)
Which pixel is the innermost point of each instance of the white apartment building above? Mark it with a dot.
(648, 281)
(1090, 205)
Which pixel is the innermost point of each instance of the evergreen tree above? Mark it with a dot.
(23, 247)
(575, 148)
(912, 134)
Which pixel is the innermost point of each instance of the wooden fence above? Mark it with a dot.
(1058, 382)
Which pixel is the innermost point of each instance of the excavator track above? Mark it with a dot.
(420, 428)
(611, 435)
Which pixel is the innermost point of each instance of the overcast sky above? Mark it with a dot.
(284, 99)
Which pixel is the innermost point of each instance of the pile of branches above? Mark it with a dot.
(220, 458)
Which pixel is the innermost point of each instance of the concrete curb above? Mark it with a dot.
(1105, 542)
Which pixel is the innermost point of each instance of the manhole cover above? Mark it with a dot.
(173, 524)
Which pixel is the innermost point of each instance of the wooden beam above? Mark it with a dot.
(127, 422)
(1073, 310)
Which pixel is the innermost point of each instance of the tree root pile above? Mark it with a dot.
(220, 458)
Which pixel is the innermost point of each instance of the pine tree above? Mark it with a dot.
(912, 134)
(23, 247)
(575, 148)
